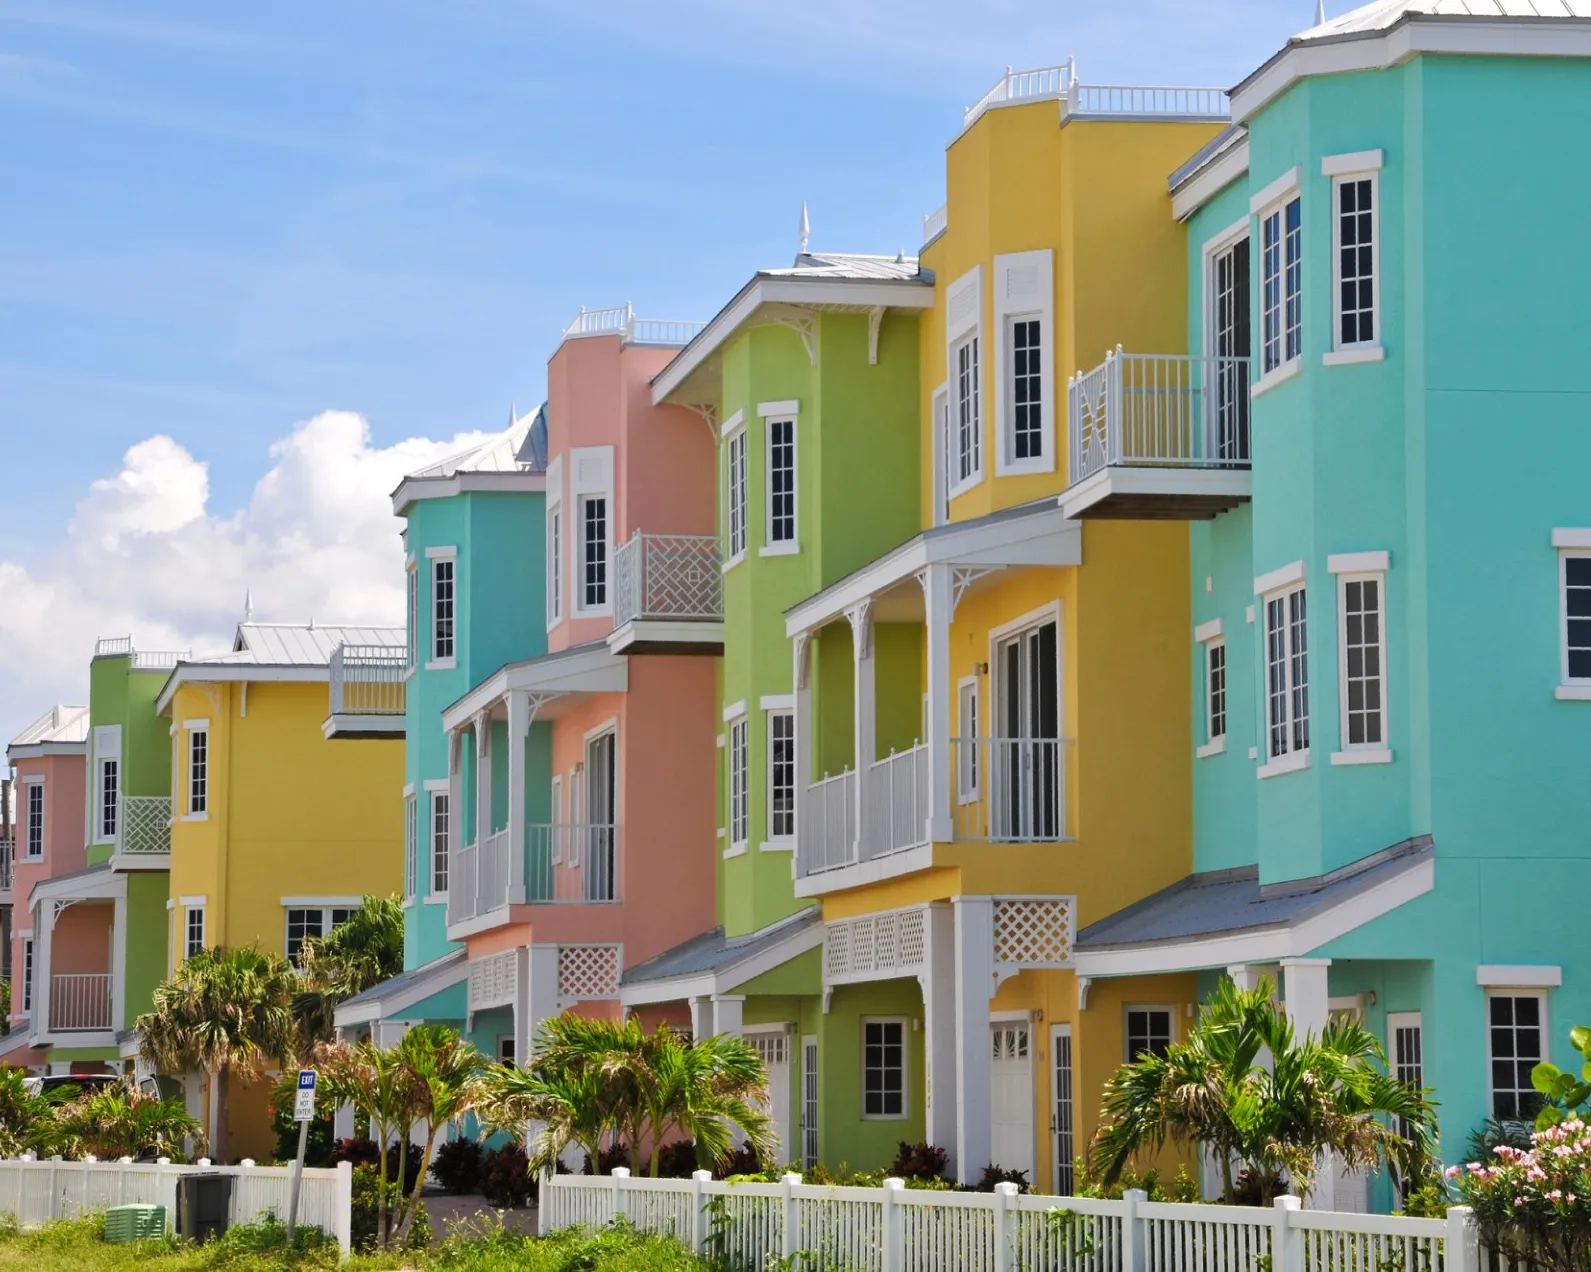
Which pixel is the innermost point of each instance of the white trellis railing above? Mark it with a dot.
(36, 1192)
(668, 577)
(893, 1229)
(146, 824)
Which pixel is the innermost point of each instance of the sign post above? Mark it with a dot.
(303, 1114)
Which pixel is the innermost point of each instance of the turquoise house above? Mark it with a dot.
(1392, 624)
(475, 526)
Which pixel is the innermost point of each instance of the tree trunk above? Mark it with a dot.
(1228, 1193)
(381, 1186)
(403, 1170)
(218, 1147)
(419, 1183)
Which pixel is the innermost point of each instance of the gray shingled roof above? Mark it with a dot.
(404, 980)
(714, 952)
(1220, 902)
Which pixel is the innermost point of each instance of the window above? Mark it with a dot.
(1286, 675)
(411, 846)
(554, 565)
(809, 1102)
(193, 932)
(108, 802)
(304, 922)
(1515, 1026)
(198, 772)
(1363, 661)
(444, 580)
(967, 767)
(1406, 1050)
(35, 845)
(738, 774)
(1148, 1030)
(967, 456)
(593, 552)
(439, 842)
(735, 494)
(505, 1049)
(1065, 1155)
(884, 1069)
(782, 482)
(1230, 342)
(1576, 584)
(1354, 219)
(412, 611)
(1215, 689)
(941, 453)
(1281, 309)
(27, 974)
(1027, 390)
(781, 774)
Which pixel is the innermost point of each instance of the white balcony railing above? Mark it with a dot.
(461, 876)
(897, 802)
(142, 659)
(1159, 410)
(479, 876)
(936, 223)
(572, 863)
(368, 680)
(668, 577)
(827, 825)
(1165, 103)
(1010, 790)
(79, 1002)
(623, 322)
(1045, 81)
(145, 824)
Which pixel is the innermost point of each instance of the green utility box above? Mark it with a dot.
(134, 1223)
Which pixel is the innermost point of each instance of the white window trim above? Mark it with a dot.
(958, 331)
(776, 843)
(1349, 568)
(580, 608)
(107, 747)
(905, 1068)
(969, 793)
(1574, 543)
(190, 907)
(735, 430)
(29, 784)
(432, 790)
(776, 413)
(1171, 1017)
(939, 430)
(26, 972)
(1365, 165)
(192, 728)
(1518, 977)
(1007, 310)
(1268, 587)
(554, 543)
(432, 556)
(411, 847)
(1274, 198)
(324, 904)
(1537, 992)
(740, 720)
(1208, 636)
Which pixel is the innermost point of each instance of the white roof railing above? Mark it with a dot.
(1060, 83)
(622, 322)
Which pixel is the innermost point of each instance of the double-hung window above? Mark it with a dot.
(1286, 671)
(739, 794)
(444, 608)
(735, 496)
(1574, 611)
(1356, 255)
(1024, 408)
(193, 931)
(411, 845)
(593, 581)
(779, 419)
(1281, 283)
(1362, 650)
(440, 822)
(35, 823)
(107, 783)
(1211, 640)
(554, 564)
(198, 770)
(968, 762)
(412, 611)
(781, 775)
(967, 454)
(883, 1069)
(1515, 1029)
(304, 922)
(964, 378)
(589, 529)
(27, 974)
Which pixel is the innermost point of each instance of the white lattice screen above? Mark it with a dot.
(588, 971)
(1034, 931)
(889, 944)
(493, 980)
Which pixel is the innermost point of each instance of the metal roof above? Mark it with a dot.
(520, 448)
(714, 952)
(61, 723)
(301, 644)
(404, 980)
(840, 265)
(1382, 15)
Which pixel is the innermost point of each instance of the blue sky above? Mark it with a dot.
(223, 220)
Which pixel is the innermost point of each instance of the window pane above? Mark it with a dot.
(1027, 390)
(594, 552)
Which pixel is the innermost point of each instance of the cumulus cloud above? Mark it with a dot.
(145, 554)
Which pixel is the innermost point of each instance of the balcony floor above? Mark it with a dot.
(1132, 493)
(659, 636)
(351, 725)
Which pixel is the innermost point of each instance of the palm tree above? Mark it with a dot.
(381, 1086)
(360, 952)
(122, 1121)
(706, 1089)
(226, 1013)
(1246, 1087)
(569, 1104)
(28, 1122)
(442, 1068)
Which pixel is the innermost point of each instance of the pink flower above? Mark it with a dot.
(1450, 1173)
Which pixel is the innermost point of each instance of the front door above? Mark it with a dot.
(774, 1051)
(600, 829)
(1011, 1096)
(1230, 326)
(1061, 1118)
(1026, 760)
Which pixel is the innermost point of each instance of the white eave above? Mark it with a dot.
(412, 490)
(237, 673)
(584, 669)
(1208, 180)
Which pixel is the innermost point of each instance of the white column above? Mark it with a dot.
(865, 738)
(937, 613)
(974, 927)
(455, 809)
(538, 982)
(702, 1017)
(518, 727)
(939, 1027)
(1245, 976)
(118, 963)
(1308, 1004)
(43, 941)
(483, 782)
(728, 1012)
(801, 681)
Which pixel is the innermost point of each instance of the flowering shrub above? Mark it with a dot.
(1534, 1205)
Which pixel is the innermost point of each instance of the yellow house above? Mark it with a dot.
(278, 830)
(1014, 680)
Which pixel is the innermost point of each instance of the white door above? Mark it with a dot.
(1061, 1119)
(1010, 1097)
(774, 1049)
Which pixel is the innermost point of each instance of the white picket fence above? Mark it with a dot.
(894, 1229)
(39, 1191)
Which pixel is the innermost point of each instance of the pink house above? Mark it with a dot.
(592, 768)
(49, 761)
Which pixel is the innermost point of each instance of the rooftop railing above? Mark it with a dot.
(142, 659)
(668, 577)
(936, 223)
(623, 322)
(1016, 86)
(368, 679)
(1060, 83)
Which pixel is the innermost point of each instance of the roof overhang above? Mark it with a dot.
(674, 382)
(38, 750)
(669, 989)
(451, 969)
(85, 885)
(1041, 535)
(411, 490)
(220, 673)
(1266, 943)
(350, 724)
(1411, 36)
(1218, 171)
(584, 669)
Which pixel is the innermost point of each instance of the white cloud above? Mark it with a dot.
(145, 554)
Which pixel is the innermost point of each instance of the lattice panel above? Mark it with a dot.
(875, 945)
(146, 824)
(493, 980)
(588, 971)
(1034, 931)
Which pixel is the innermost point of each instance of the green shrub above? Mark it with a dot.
(619, 1248)
(367, 1195)
(505, 1177)
(457, 1165)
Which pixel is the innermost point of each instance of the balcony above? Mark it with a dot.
(367, 691)
(79, 1002)
(562, 863)
(1158, 437)
(145, 832)
(668, 595)
(1010, 790)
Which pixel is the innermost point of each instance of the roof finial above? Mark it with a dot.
(248, 604)
(1320, 12)
(513, 414)
(806, 228)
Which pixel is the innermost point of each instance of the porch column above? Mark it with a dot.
(43, 942)
(483, 783)
(938, 609)
(938, 982)
(728, 1014)
(865, 744)
(1308, 1005)
(518, 727)
(1245, 976)
(702, 1017)
(118, 963)
(801, 682)
(974, 925)
(455, 818)
(535, 996)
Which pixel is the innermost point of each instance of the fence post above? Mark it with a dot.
(1003, 1192)
(1287, 1242)
(699, 1179)
(621, 1208)
(345, 1208)
(162, 1181)
(1134, 1245)
(892, 1256)
(55, 1196)
(543, 1200)
(1461, 1240)
(788, 1242)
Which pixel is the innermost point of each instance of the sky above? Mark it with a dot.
(257, 261)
